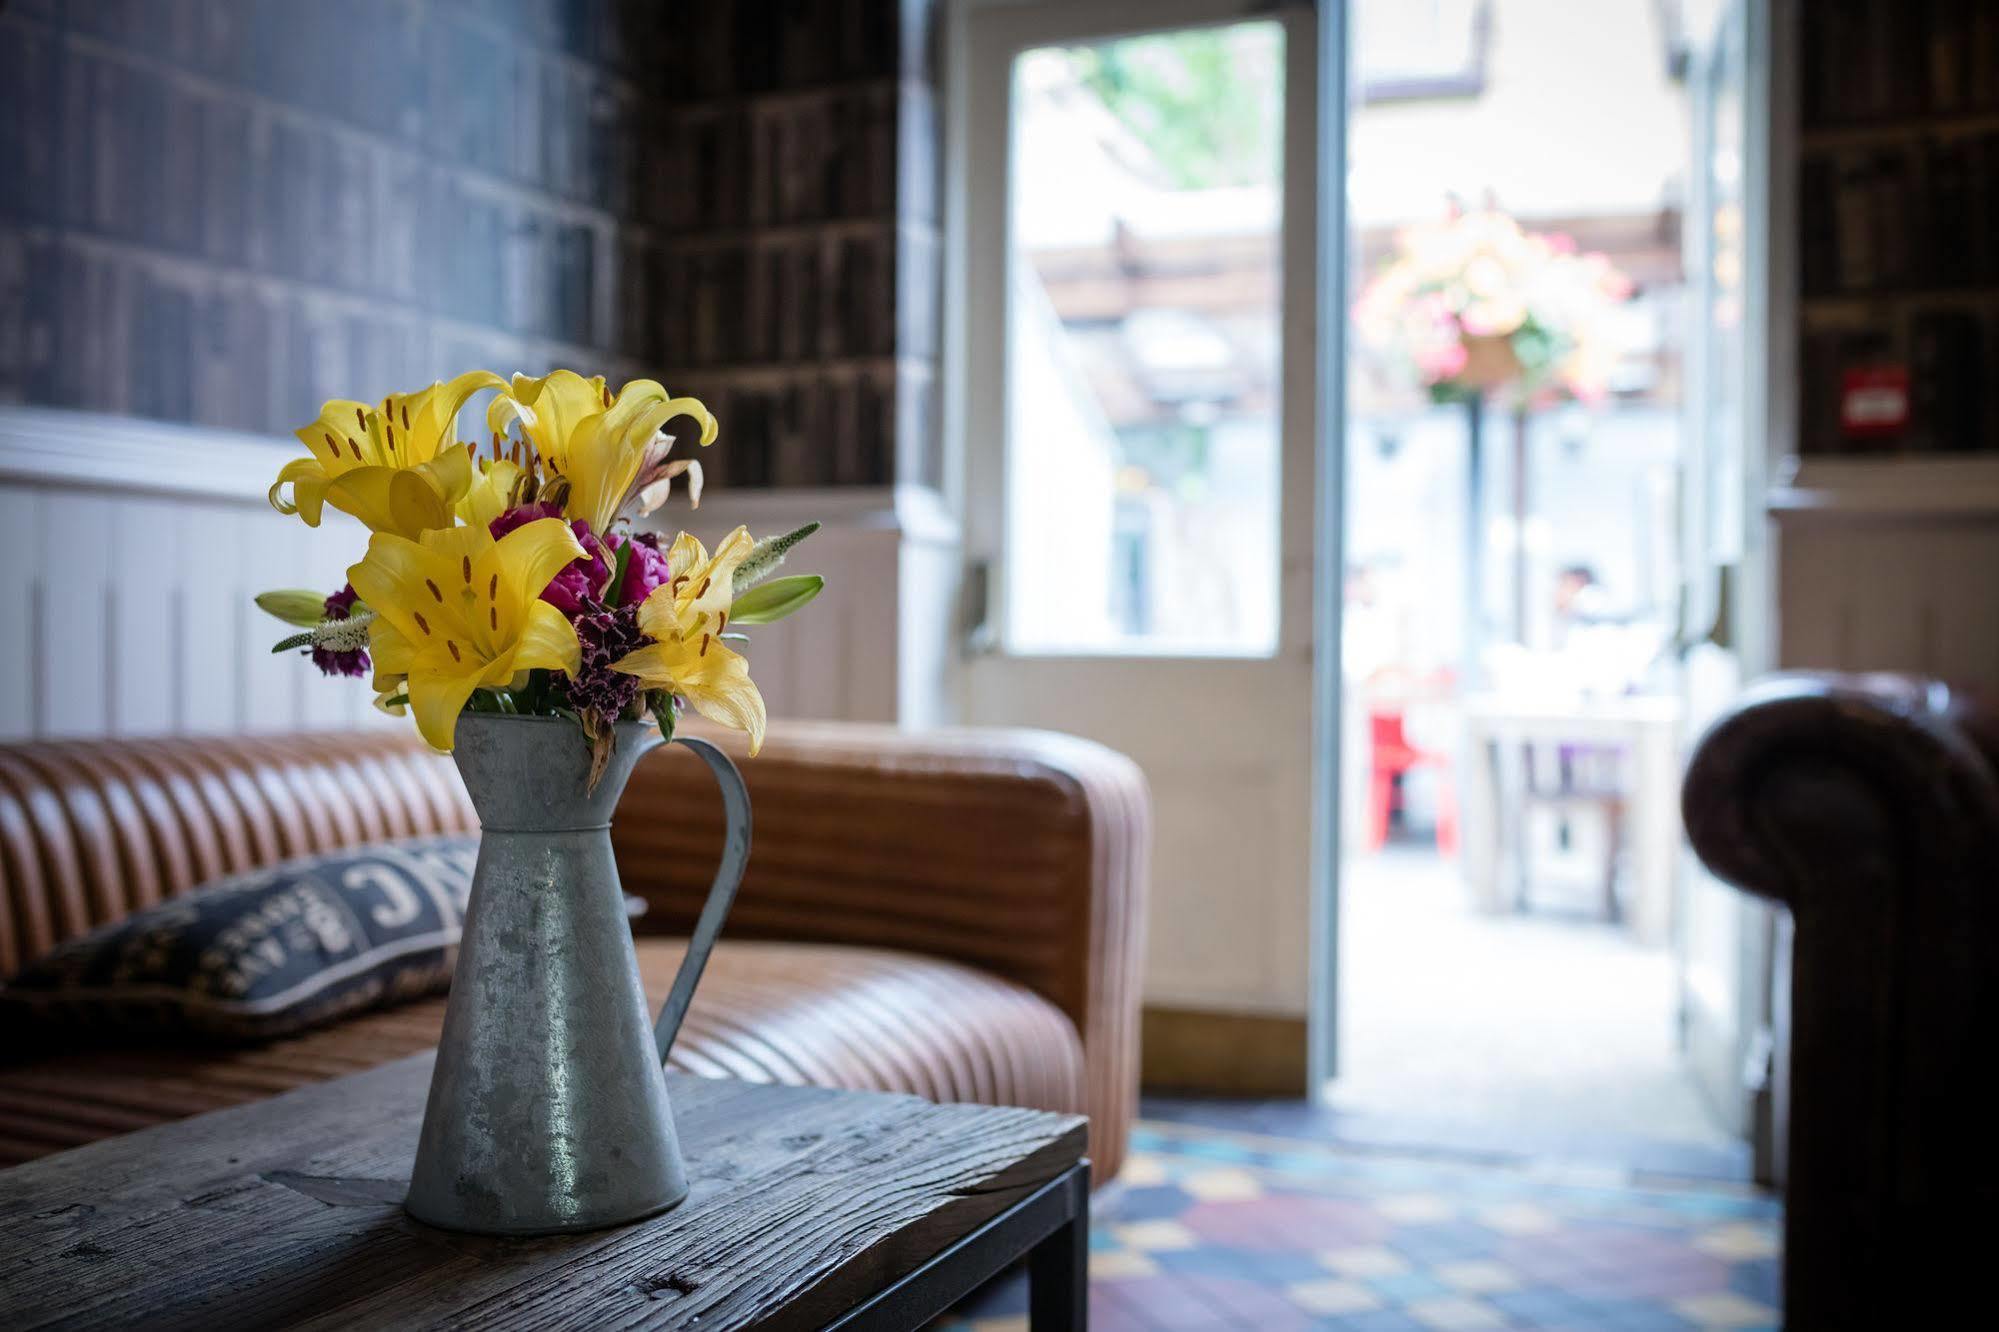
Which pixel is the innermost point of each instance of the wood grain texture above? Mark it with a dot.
(803, 1202)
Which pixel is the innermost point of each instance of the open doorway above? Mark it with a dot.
(1529, 317)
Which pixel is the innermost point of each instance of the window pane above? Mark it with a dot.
(1142, 359)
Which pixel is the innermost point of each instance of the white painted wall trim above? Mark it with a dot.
(43, 446)
(94, 451)
(1911, 488)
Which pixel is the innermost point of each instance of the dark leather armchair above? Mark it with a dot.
(1869, 807)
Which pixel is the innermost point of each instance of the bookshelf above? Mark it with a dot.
(1883, 214)
(1896, 241)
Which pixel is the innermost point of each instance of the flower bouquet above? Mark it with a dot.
(506, 601)
(1477, 303)
(505, 579)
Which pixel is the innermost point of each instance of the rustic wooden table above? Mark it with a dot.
(809, 1208)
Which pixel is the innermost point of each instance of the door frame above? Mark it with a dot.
(973, 398)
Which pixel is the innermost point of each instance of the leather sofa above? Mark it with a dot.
(1867, 806)
(958, 915)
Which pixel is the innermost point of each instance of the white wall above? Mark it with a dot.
(129, 553)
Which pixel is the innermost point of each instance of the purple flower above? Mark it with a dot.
(335, 661)
(645, 570)
(580, 580)
(606, 637)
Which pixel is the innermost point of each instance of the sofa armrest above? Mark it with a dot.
(1868, 806)
(1814, 782)
(1022, 853)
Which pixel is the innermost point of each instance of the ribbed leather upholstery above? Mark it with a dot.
(882, 857)
(817, 1014)
(1021, 853)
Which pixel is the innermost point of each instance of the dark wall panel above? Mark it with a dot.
(224, 211)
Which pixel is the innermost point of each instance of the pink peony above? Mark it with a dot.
(645, 569)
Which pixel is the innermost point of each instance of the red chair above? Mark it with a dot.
(1392, 756)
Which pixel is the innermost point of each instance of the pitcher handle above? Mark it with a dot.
(721, 894)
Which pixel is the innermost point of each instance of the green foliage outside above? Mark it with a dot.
(1205, 102)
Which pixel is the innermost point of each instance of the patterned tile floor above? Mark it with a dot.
(1213, 1229)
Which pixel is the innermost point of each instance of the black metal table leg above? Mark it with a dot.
(1058, 1268)
(1050, 1228)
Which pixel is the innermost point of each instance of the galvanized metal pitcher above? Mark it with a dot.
(548, 1109)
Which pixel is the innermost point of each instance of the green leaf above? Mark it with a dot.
(660, 704)
(776, 599)
(614, 590)
(295, 641)
(295, 605)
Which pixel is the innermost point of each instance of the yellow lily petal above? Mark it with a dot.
(686, 617)
(491, 493)
(433, 418)
(526, 559)
(307, 479)
(391, 652)
(547, 642)
(437, 696)
(393, 579)
(685, 553)
(612, 454)
(395, 467)
(388, 499)
(449, 473)
(337, 435)
(708, 675)
(720, 689)
(549, 409)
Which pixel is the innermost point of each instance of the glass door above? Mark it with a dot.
(1139, 401)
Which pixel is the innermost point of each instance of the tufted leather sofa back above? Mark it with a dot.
(92, 830)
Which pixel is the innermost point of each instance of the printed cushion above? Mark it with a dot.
(260, 954)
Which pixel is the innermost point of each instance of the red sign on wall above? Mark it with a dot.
(1874, 400)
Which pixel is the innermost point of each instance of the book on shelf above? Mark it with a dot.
(1900, 218)
(1877, 61)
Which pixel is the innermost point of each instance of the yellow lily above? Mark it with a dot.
(395, 467)
(459, 611)
(491, 493)
(610, 449)
(686, 615)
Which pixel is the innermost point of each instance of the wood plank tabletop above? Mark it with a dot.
(288, 1212)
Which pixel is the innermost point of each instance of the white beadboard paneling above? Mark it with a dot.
(145, 536)
(928, 626)
(1909, 592)
(1968, 641)
(21, 550)
(74, 630)
(211, 638)
(269, 553)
